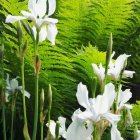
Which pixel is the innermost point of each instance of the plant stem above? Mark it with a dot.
(36, 89)
(24, 101)
(41, 125)
(3, 99)
(12, 118)
(36, 109)
(4, 122)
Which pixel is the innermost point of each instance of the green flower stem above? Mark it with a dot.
(41, 125)
(12, 118)
(36, 108)
(25, 131)
(36, 90)
(4, 122)
(3, 101)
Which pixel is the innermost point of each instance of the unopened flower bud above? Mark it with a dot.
(109, 52)
(37, 64)
(49, 97)
(1, 51)
(19, 33)
(42, 100)
(24, 48)
(57, 130)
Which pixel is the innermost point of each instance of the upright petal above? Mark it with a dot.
(62, 129)
(82, 95)
(7, 80)
(52, 127)
(51, 33)
(119, 63)
(109, 94)
(41, 8)
(12, 19)
(42, 33)
(52, 7)
(126, 95)
(32, 6)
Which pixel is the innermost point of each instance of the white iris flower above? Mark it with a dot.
(62, 128)
(37, 13)
(12, 86)
(116, 67)
(98, 108)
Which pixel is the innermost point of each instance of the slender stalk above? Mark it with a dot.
(12, 118)
(26, 135)
(3, 100)
(36, 89)
(36, 109)
(4, 122)
(41, 125)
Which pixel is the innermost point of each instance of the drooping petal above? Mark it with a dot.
(47, 20)
(42, 33)
(82, 95)
(12, 19)
(52, 7)
(7, 95)
(28, 15)
(78, 131)
(27, 94)
(127, 74)
(115, 134)
(51, 33)
(41, 8)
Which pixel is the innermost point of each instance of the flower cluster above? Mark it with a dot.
(100, 112)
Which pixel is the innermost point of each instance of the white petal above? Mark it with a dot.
(14, 84)
(7, 80)
(6, 96)
(82, 95)
(109, 94)
(28, 15)
(100, 72)
(126, 95)
(115, 134)
(41, 8)
(87, 115)
(27, 94)
(51, 33)
(34, 31)
(32, 6)
(119, 63)
(128, 73)
(52, 7)
(52, 127)
(50, 20)
(42, 33)
(62, 129)
(12, 19)
(78, 131)
(75, 114)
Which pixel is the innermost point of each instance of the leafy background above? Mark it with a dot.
(82, 25)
